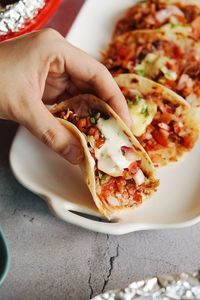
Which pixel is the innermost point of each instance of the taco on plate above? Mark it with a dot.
(169, 58)
(154, 14)
(165, 125)
(117, 170)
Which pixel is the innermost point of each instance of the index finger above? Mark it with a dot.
(81, 66)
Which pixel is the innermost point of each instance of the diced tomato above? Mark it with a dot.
(196, 27)
(81, 124)
(108, 187)
(161, 136)
(99, 142)
(97, 134)
(187, 141)
(176, 127)
(88, 122)
(122, 52)
(125, 53)
(165, 118)
(169, 66)
(165, 108)
(124, 90)
(169, 83)
(150, 128)
(92, 131)
(169, 109)
(150, 145)
(137, 197)
(177, 52)
(181, 19)
(133, 167)
(131, 190)
(121, 182)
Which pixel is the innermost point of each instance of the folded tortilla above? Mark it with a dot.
(170, 58)
(151, 14)
(117, 170)
(163, 122)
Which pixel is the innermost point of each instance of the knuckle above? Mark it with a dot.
(48, 33)
(54, 139)
(49, 138)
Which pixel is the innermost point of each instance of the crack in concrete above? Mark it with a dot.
(111, 261)
(90, 286)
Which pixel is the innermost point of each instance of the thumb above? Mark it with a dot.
(44, 126)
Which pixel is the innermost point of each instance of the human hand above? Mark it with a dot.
(41, 67)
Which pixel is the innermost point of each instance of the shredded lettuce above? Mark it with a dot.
(137, 99)
(102, 177)
(145, 111)
(130, 103)
(140, 70)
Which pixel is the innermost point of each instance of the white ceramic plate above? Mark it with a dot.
(177, 202)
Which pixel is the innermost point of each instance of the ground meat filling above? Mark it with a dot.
(121, 191)
(153, 15)
(159, 60)
(189, 82)
(168, 126)
(129, 57)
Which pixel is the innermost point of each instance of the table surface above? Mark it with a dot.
(55, 260)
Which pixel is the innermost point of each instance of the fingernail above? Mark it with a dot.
(73, 154)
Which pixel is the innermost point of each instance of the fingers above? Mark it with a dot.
(44, 126)
(81, 67)
(70, 64)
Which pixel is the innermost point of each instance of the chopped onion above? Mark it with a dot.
(180, 124)
(113, 201)
(139, 177)
(185, 80)
(164, 126)
(148, 136)
(191, 99)
(164, 14)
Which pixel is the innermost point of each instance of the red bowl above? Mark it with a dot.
(39, 20)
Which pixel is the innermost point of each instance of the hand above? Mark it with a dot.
(41, 67)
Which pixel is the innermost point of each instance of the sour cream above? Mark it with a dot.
(110, 157)
(140, 119)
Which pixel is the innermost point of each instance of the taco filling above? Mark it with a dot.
(156, 56)
(121, 181)
(153, 14)
(158, 59)
(165, 129)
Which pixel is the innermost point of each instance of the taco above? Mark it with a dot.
(169, 58)
(163, 122)
(154, 14)
(117, 170)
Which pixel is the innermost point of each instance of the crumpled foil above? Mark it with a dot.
(14, 17)
(166, 287)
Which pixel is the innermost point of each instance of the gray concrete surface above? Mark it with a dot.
(55, 260)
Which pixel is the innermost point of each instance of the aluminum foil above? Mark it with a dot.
(14, 17)
(166, 287)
